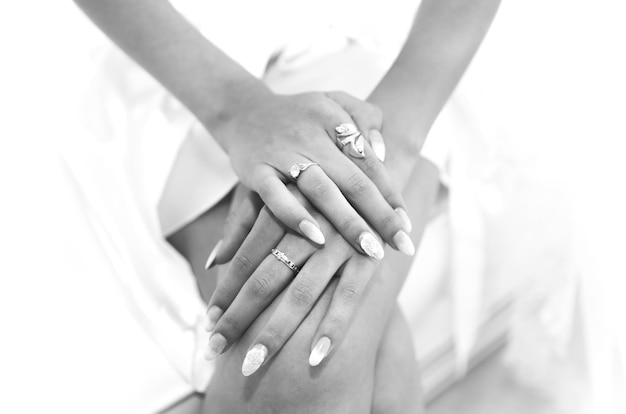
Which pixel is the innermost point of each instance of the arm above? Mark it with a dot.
(264, 134)
(444, 38)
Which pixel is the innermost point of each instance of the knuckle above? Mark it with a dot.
(390, 222)
(319, 190)
(357, 184)
(261, 286)
(349, 292)
(302, 294)
(351, 224)
(370, 163)
(336, 324)
(242, 263)
(229, 325)
(272, 336)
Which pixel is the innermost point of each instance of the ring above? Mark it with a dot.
(297, 168)
(282, 257)
(349, 134)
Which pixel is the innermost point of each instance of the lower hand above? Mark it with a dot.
(254, 278)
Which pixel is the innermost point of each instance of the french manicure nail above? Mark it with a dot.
(377, 143)
(370, 245)
(319, 352)
(212, 255)
(311, 231)
(403, 243)
(217, 344)
(254, 359)
(213, 314)
(406, 221)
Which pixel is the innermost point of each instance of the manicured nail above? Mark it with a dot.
(213, 314)
(378, 144)
(406, 221)
(319, 352)
(370, 245)
(311, 231)
(212, 255)
(217, 344)
(403, 243)
(254, 359)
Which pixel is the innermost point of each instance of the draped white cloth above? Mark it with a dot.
(531, 144)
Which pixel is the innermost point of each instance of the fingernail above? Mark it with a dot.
(212, 255)
(403, 243)
(377, 143)
(213, 314)
(406, 221)
(370, 245)
(311, 231)
(320, 351)
(254, 359)
(217, 344)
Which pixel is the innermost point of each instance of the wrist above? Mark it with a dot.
(236, 97)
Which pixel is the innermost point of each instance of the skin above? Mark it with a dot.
(376, 348)
(411, 95)
(262, 132)
(442, 41)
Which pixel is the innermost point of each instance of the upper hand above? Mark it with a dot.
(270, 133)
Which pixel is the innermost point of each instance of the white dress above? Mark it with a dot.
(123, 277)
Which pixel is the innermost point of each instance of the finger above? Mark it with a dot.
(322, 192)
(265, 232)
(376, 171)
(367, 117)
(352, 282)
(238, 224)
(267, 281)
(366, 193)
(285, 206)
(294, 306)
(366, 197)
(329, 194)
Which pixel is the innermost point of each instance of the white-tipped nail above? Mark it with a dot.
(370, 245)
(406, 221)
(212, 255)
(213, 314)
(217, 344)
(378, 144)
(403, 243)
(254, 359)
(319, 352)
(311, 231)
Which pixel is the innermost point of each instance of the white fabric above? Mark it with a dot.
(70, 340)
(147, 167)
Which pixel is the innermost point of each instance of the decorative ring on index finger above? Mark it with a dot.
(349, 134)
(282, 257)
(297, 168)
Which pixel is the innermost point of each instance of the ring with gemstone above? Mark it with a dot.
(282, 257)
(297, 168)
(349, 134)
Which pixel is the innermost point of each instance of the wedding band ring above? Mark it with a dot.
(348, 134)
(282, 257)
(297, 168)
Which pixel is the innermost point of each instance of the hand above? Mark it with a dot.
(250, 253)
(254, 278)
(270, 133)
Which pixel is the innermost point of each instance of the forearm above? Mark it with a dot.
(444, 38)
(209, 83)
